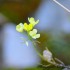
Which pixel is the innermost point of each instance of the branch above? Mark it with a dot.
(62, 6)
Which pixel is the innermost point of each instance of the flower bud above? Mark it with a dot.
(20, 27)
(47, 55)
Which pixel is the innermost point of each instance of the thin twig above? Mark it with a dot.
(61, 64)
(45, 65)
(59, 61)
(62, 6)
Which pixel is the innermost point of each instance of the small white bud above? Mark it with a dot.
(47, 55)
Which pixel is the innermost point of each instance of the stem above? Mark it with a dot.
(35, 47)
(45, 65)
(38, 52)
(59, 61)
(50, 63)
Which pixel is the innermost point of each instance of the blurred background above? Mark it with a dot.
(54, 27)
